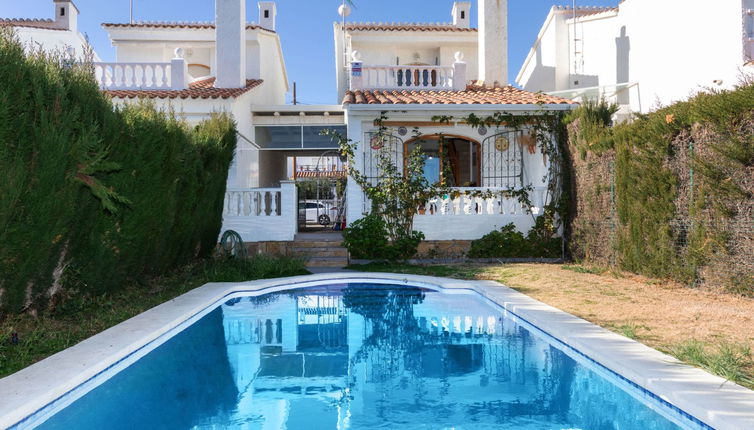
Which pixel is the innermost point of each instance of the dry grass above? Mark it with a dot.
(661, 314)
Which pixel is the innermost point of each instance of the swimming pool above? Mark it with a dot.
(359, 354)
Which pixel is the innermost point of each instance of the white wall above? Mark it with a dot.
(672, 48)
(54, 41)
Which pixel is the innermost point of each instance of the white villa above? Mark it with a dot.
(53, 35)
(641, 53)
(411, 72)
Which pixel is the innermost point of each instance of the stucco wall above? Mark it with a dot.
(671, 48)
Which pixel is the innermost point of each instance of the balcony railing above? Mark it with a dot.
(384, 77)
(262, 214)
(171, 75)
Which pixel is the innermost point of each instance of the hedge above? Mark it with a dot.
(672, 192)
(94, 195)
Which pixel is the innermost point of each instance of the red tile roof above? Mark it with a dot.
(409, 26)
(204, 89)
(44, 24)
(180, 25)
(474, 94)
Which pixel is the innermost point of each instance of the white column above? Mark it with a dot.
(355, 195)
(459, 72)
(357, 72)
(289, 208)
(493, 41)
(178, 71)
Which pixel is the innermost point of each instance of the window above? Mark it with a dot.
(463, 14)
(266, 13)
(297, 137)
(461, 156)
(62, 11)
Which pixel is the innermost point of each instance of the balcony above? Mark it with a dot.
(412, 78)
(171, 75)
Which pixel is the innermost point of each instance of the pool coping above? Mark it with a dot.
(710, 399)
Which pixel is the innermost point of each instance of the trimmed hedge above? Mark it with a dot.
(682, 190)
(91, 195)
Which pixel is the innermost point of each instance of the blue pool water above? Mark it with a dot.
(364, 357)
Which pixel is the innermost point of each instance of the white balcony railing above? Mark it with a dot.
(477, 201)
(171, 75)
(384, 77)
(262, 214)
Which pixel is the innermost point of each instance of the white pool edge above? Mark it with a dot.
(718, 403)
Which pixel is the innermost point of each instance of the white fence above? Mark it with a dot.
(262, 214)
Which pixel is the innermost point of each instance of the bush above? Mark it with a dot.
(367, 238)
(93, 196)
(508, 242)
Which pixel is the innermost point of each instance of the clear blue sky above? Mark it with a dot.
(305, 27)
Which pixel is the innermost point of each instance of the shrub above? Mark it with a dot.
(508, 242)
(367, 238)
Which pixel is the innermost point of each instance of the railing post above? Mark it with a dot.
(459, 72)
(178, 71)
(357, 82)
(289, 207)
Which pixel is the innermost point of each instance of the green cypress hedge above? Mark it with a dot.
(92, 196)
(683, 189)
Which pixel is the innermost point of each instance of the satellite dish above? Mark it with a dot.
(344, 10)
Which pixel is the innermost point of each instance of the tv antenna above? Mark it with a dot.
(132, 11)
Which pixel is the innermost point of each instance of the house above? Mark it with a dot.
(641, 53)
(411, 72)
(53, 35)
(415, 72)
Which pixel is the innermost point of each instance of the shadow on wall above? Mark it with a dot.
(622, 63)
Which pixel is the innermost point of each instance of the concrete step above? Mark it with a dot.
(320, 252)
(327, 262)
(317, 244)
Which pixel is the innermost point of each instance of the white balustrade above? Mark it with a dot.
(262, 214)
(386, 77)
(133, 76)
(171, 75)
(483, 201)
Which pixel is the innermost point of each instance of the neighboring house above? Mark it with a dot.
(641, 53)
(60, 35)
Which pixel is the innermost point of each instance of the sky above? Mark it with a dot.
(305, 27)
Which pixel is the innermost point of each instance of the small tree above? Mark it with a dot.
(399, 191)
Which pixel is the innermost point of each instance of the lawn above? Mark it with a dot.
(709, 329)
(78, 318)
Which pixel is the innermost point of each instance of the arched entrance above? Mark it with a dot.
(459, 154)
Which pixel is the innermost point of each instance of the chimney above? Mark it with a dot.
(267, 13)
(493, 41)
(461, 18)
(66, 15)
(230, 41)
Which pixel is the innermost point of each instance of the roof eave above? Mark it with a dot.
(459, 107)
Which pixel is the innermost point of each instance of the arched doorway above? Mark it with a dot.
(459, 154)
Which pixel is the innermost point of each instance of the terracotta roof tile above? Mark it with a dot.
(474, 94)
(44, 24)
(204, 89)
(178, 25)
(409, 26)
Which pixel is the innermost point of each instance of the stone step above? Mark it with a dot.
(317, 244)
(320, 252)
(327, 262)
